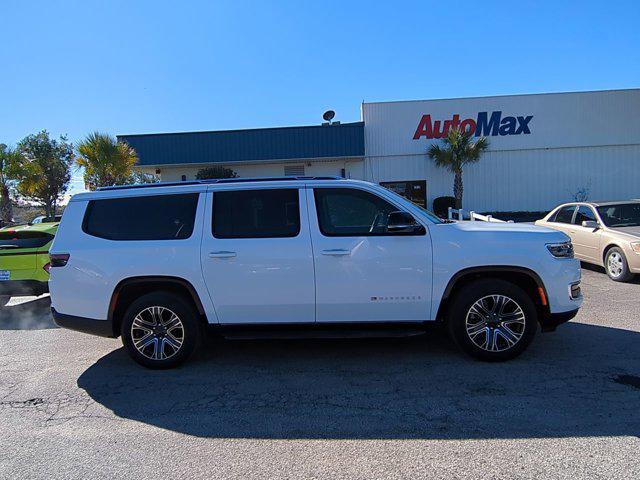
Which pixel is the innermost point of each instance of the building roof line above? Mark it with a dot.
(503, 96)
(239, 130)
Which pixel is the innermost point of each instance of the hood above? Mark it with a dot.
(479, 226)
(633, 231)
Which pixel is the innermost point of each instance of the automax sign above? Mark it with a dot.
(485, 124)
(513, 122)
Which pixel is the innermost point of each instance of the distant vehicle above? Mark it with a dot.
(299, 256)
(603, 233)
(44, 219)
(24, 259)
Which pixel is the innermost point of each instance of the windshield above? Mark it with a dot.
(621, 215)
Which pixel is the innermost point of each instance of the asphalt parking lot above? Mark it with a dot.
(75, 406)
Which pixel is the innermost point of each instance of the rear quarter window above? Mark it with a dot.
(563, 215)
(149, 217)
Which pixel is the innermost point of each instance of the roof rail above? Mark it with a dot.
(213, 181)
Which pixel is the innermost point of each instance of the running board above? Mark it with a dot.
(283, 332)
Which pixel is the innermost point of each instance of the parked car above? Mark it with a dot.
(299, 256)
(45, 219)
(24, 259)
(603, 233)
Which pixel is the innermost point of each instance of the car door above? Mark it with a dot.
(364, 273)
(256, 256)
(585, 240)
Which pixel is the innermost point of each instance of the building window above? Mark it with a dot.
(294, 170)
(183, 178)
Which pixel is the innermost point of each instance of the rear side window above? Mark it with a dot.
(154, 217)
(564, 215)
(265, 213)
(15, 239)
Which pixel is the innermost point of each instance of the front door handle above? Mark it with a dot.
(222, 254)
(336, 252)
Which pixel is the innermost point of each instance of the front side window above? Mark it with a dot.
(264, 213)
(584, 214)
(349, 212)
(149, 217)
(564, 215)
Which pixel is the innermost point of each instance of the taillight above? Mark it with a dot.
(58, 259)
(47, 267)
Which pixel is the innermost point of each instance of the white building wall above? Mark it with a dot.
(524, 180)
(586, 140)
(353, 169)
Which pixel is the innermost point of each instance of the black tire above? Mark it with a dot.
(616, 266)
(165, 334)
(500, 331)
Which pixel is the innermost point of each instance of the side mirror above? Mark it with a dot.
(402, 222)
(590, 224)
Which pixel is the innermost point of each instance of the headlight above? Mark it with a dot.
(635, 246)
(561, 250)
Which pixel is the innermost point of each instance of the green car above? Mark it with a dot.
(24, 258)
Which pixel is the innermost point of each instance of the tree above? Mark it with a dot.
(458, 150)
(143, 177)
(215, 172)
(42, 170)
(106, 161)
(8, 157)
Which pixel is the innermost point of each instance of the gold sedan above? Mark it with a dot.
(604, 233)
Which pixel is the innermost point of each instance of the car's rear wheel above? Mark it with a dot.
(160, 330)
(492, 319)
(616, 265)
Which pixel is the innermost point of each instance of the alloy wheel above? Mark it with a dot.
(615, 264)
(157, 333)
(495, 323)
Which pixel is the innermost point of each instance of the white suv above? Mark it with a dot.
(299, 256)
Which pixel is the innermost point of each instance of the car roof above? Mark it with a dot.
(204, 185)
(599, 204)
(608, 203)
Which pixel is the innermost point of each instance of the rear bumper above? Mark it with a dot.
(102, 328)
(551, 321)
(23, 287)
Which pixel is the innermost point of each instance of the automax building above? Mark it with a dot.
(544, 149)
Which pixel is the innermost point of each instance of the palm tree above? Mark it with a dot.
(106, 161)
(458, 150)
(8, 157)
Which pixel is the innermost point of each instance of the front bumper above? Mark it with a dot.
(102, 328)
(23, 287)
(550, 321)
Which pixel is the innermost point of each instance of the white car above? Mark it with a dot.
(299, 256)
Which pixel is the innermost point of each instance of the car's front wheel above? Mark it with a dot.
(160, 330)
(492, 319)
(616, 265)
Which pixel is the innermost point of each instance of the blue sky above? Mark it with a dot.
(156, 66)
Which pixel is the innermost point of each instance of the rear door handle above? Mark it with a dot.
(222, 254)
(336, 252)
